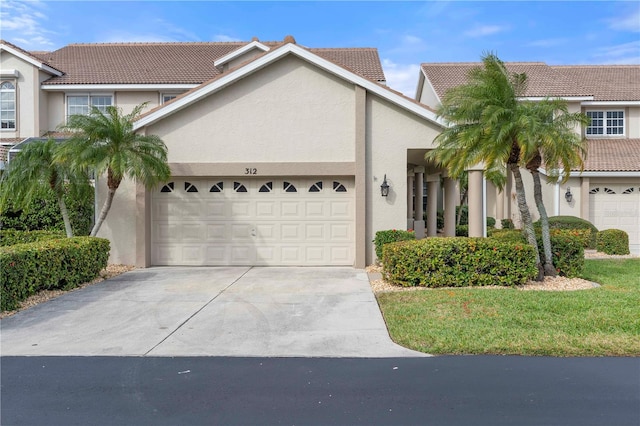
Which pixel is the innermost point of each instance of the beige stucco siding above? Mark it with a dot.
(634, 122)
(391, 131)
(288, 112)
(428, 95)
(57, 116)
(128, 100)
(26, 96)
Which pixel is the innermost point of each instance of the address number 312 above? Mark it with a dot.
(250, 171)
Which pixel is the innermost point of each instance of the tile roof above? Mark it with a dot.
(543, 79)
(606, 82)
(174, 63)
(613, 155)
(33, 55)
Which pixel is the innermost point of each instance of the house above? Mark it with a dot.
(277, 151)
(607, 191)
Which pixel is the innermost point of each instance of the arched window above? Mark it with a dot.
(7, 105)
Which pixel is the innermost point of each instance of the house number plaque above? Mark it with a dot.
(250, 171)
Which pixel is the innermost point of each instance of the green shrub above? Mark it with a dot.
(65, 263)
(566, 248)
(391, 236)
(612, 241)
(491, 222)
(458, 262)
(9, 237)
(507, 224)
(572, 222)
(462, 231)
(44, 212)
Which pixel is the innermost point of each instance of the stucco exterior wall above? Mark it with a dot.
(574, 207)
(391, 131)
(428, 95)
(57, 116)
(634, 122)
(26, 96)
(128, 100)
(288, 112)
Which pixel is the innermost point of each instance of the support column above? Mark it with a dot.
(451, 201)
(418, 223)
(410, 216)
(476, 206)
(433, 187)
(499, 207)
(584, 198)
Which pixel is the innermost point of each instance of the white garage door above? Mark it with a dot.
(238, 221)
(617, 206)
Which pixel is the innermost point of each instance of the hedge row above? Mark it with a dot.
(391, 236)
(9, 237)
(573, 223)
(612, 241)
(566, 247)
(458, 262)
(28, 268)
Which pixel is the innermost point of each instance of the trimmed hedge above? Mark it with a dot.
(9, 237)
(612, 241)
(391, 236)
(507, 224)
(458, 262)
(28, 268)
(573, 222)
(566, 247)
(462, 231)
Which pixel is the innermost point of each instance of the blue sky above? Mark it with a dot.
(405, 33)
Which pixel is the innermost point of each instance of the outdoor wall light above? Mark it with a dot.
(568, 195)
(384, 188)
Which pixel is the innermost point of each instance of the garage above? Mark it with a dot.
(616, 206)
(254, 221)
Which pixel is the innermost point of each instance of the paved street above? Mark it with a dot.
(466, 390)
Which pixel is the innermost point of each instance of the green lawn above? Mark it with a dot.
(598, 322)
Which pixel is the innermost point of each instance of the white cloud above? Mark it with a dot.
(401, 77)
(485, 30)
(627, 22)
(224, 37)
(626, 53)
(25, 24)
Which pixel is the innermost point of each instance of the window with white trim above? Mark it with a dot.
(80, 104)
(606, 123)
(7, 105)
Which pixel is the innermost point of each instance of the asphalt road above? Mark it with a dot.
(466, 390)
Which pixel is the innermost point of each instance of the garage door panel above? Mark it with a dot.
(290, 222)
(616, 206)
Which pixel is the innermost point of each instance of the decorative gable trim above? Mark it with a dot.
(39, 64)
(270, 57)
(239, 52)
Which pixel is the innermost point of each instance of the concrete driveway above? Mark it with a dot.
(210, 311)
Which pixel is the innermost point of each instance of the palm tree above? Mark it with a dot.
(487, 124)
(552, 137)
(34, 167)
(106, 142)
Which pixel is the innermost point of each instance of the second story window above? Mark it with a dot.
(7, 105)
(166, 97)
(80, 104)
(606, 123)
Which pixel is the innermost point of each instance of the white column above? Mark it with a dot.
(451, 201)
(433, 187)
(476, 205)
(410, 217)
(418, 223)
(499, 207)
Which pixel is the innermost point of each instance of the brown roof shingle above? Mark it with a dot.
(543, 80)
(174, 63)
(606, 82)
(613, 155)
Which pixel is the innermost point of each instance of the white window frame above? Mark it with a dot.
(15, 106)
(606, 127)
(173, 95)
(88, 96)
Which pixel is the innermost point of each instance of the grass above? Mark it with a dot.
(600, 322)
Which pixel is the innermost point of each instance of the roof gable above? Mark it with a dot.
(28, 57)
(271, 56)
(254, 45)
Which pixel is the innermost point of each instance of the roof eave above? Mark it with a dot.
(239, 52)
(39, 64)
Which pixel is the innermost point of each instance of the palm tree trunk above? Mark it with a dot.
(103, 212)
(65, 215)
(525, 216)
(549, 270)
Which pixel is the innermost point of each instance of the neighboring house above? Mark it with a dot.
(607, 191)
(277, 151)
